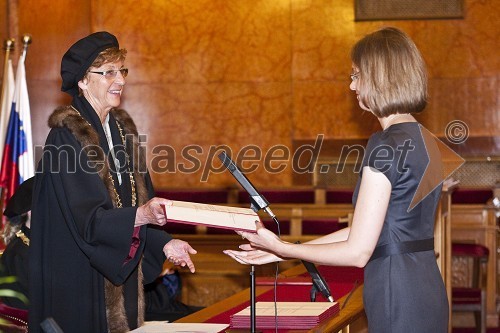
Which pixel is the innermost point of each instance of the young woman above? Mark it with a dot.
(392, 230)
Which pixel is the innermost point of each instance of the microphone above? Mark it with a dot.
(49, 325)
(318, 280)
(257, 200)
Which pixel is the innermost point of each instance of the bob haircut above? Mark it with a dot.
(393, 77)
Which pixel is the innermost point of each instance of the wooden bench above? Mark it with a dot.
(218, 276)
(282, 195)
(476, 223)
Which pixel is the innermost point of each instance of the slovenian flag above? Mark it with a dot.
(17, 159)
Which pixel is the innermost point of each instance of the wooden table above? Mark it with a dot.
(351, 307)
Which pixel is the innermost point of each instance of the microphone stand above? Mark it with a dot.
(312, 293)
(253, 318)
(257, 202)
(253, 321)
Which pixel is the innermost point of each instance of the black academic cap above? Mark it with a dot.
(20, 202)
(80, 56)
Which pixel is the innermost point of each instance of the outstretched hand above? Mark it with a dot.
(261, 250)
(177, 251)
(152, 212)
(250, 256)
(263, 239)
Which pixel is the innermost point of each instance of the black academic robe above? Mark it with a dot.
(14, 262)
(78, 238)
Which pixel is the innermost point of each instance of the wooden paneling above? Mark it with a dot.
(4, 31)
(54, 26)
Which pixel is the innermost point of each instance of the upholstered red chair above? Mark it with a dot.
(472, 298)
(13, 320)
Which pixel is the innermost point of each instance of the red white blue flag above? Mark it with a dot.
(17, 159)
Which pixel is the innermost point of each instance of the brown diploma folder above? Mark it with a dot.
(226, 217)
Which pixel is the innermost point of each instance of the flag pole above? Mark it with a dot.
(26, 165)
(26, 42)
(8, 46)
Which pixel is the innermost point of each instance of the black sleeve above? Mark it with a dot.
(102, 232)
(152, 263)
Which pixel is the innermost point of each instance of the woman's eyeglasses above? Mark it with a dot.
(112, 73)
(354, 76)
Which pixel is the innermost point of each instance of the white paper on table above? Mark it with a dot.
(162, 327)
(296, 309)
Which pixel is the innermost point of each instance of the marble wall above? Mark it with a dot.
(253, 73)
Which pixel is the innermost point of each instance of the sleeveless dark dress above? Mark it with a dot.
(404, 292)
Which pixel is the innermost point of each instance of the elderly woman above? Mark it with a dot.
(395, 201)
(93, 238)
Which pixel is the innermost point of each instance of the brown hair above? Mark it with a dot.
(112, 54)
(393, 76)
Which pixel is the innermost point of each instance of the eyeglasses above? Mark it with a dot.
(354, 76)
(112, 73)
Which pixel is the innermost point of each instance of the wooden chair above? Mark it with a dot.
(472, 298)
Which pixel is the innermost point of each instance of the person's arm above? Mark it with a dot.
(356, 250)
(268, 257)
(337, 236)
(160, 244)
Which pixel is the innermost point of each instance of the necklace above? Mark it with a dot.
(130, 174)
(118, 200)
(20, 234)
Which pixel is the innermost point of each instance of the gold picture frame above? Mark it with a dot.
(370, 10)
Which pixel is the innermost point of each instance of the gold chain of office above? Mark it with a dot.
(130, 174)
(20, 234)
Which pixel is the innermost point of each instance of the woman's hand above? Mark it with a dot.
(261, 250)
(264, 239)
(177, 252)
(251, 256)
(152, 212)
